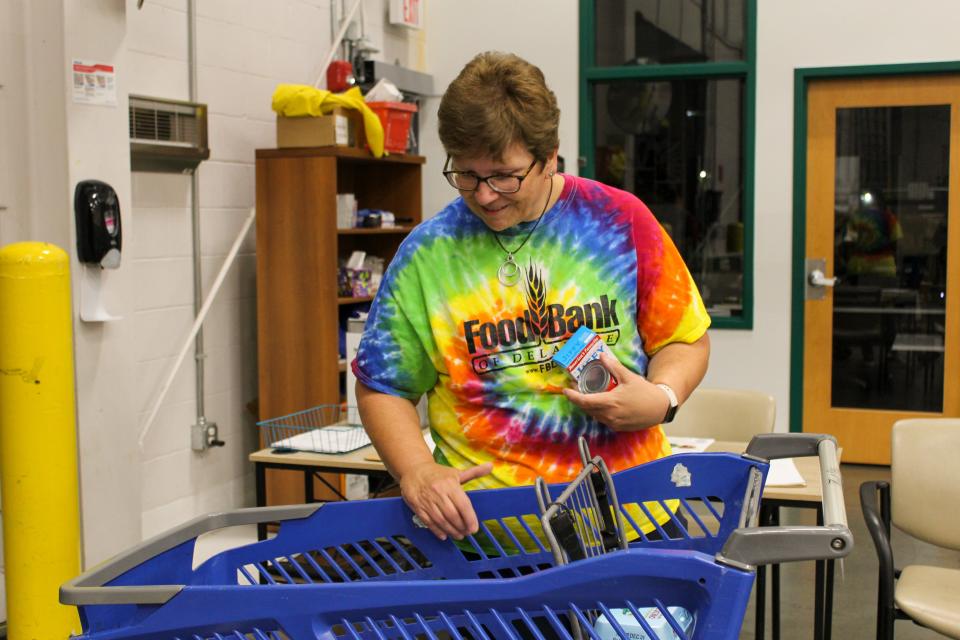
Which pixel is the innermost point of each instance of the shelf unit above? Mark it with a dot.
(404, 230)
(298, 252)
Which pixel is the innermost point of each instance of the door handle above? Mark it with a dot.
(816, 283)
(818, 279)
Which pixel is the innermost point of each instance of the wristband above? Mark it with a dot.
(674, 403)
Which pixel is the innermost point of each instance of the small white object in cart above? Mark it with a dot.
(652, 616)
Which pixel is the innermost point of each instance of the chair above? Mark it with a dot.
(734, 415)
(724, 414)
(922, 499)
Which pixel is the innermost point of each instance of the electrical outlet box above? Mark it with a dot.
(198, 437)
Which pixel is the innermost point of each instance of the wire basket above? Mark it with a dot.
(585, 521)
(326, 428)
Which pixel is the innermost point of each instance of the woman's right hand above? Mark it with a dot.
(434, 493)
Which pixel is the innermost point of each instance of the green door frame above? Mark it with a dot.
(590, 74)
(801, 80)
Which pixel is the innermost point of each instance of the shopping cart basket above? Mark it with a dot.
(364, 570)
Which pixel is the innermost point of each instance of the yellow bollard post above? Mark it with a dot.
(38, 440)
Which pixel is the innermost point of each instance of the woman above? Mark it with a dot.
(480, 297)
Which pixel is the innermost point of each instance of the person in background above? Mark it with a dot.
(870, 237)
(480, 297)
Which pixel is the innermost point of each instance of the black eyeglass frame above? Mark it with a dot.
(448, 174)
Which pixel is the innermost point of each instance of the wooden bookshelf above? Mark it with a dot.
(299, 249)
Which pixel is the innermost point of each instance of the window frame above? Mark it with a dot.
(745, 70)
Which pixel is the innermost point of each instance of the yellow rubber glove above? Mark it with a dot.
(293, 100)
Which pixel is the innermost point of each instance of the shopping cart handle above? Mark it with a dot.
(88, 588)
(751, 546)
(773, 446)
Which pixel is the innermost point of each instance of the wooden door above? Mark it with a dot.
(881, 341)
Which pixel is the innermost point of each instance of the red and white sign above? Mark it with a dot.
(407, 13)
(94, 83)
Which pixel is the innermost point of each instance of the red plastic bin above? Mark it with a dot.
(395, 118)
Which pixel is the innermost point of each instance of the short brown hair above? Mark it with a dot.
(497, 100)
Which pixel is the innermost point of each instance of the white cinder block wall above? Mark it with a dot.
(48, 143)
(544, 32)
(241, 56)
(244, 48)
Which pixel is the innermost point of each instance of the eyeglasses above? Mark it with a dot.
(469, 181)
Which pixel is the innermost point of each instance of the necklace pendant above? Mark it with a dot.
(509, 272)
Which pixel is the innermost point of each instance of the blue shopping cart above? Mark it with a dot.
(366, 571)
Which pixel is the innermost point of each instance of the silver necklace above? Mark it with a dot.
(509, 272)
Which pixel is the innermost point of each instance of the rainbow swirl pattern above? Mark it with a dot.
(442, 324)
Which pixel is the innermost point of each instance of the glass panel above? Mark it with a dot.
(668, 31)
(890, 257)
(676, 144)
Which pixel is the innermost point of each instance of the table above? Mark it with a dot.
(361, 461)
(365, 461)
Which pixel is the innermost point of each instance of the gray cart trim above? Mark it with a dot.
(749, 547)
(88, 588)
(773, 446)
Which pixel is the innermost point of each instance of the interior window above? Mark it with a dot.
(668, 110)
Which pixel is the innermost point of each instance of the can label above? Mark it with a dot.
(580, 356)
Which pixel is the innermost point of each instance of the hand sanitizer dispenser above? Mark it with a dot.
(97, 212)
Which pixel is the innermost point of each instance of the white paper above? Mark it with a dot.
(357, 486)
(326, 440)
(681, 444)
(783, 473)
(356, 260)
(341, 128)
(94, 83)
(384, 91)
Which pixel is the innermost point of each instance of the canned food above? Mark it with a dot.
(594, 378)
(580, 356)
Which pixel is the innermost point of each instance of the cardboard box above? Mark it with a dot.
(342, 127)
(652, 616)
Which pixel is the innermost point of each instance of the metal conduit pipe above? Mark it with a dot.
(203, 434)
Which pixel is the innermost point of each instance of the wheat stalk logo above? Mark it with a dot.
(536, 290)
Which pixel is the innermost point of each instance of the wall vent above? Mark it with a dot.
(168, 136)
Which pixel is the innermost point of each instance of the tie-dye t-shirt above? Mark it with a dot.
(444, 325)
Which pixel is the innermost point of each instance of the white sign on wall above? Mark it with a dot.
(407, 13)
(94, 83)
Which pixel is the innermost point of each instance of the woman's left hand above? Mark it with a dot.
(634, 404)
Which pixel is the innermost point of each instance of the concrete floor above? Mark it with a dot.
(855, 593)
